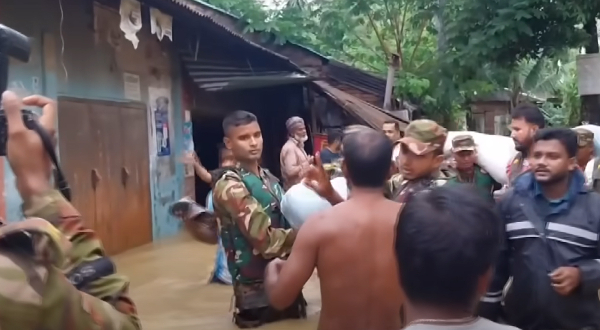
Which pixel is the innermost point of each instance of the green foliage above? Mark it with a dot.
(482, 47)
(505, 32)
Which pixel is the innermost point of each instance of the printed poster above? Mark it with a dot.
(132, 86)
(188, 141)
(319, 142)
(160, 104)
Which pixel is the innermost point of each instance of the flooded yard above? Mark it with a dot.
(169, 286)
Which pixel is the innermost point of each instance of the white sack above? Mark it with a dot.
(494, 152)
(300, 202)
(596, 130)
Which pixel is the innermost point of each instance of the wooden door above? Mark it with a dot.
(78, 156)
(105, 122)
(110, 140)
(135, 177)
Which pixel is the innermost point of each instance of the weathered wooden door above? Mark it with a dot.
(104, 151)
(135, 177)
(78, 156)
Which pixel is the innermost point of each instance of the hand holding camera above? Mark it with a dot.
(25, 150)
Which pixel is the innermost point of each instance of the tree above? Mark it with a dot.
(508, 32)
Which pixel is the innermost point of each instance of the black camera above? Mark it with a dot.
(16, 45)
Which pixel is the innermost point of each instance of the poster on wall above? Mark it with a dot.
(188, 141)
(160, 103)
(319, 142)
(132, 86)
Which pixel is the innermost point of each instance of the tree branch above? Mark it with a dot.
(378, 54)
(378, 34)
(404, 13)
(419, 39)
(355, 60)
(395, 27)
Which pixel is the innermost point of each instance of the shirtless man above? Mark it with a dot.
(359, 231)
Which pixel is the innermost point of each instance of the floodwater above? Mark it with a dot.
(169, 286)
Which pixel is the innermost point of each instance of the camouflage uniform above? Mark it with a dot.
(585, 138)
(254, 232)
(421, 137)
(479, 178)
(37, 254)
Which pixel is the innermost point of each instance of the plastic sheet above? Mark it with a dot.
(300, 202)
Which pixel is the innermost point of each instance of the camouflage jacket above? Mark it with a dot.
(252, 227)
(397, 188)
(103, 302)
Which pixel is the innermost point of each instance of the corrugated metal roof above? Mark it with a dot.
(239, 83)
(357, 78)
(359, 109)
(215, 68)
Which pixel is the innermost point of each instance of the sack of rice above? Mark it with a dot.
(494, 152)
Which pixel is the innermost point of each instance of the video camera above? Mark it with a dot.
(16, 45)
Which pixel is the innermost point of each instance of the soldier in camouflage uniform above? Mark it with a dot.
(55, 272)
(422, 156)
(464, 151)
(585, 153)
(247, 199)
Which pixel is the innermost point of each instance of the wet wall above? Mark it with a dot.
(71, 56)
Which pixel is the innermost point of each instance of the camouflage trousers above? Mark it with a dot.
(253, 310)
(38, 295)
(35, 296)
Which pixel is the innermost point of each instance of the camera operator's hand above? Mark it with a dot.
(24, 149)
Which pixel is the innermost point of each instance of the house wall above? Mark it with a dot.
(71, 59)
(490, 112)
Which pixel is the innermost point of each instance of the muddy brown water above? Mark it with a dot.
(169, 286)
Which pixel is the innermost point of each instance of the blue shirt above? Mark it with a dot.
(549, 207)
(328, 156)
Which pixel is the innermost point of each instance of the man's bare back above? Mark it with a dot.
(357, 267)
(350, 244)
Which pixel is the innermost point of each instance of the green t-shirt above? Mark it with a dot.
(482, 180)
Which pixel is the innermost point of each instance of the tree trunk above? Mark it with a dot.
(393, 66)
(590, 104)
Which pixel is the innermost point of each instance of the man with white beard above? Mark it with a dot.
(294, 161)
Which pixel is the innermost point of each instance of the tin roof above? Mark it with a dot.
(371, 115)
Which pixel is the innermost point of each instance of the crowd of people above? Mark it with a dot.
(421, 243)
(424, 241)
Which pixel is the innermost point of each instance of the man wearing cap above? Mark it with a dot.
(294, 160)
(422, 153)
(585, 153)
(464, 152)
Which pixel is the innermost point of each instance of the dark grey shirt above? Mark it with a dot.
(480, 324)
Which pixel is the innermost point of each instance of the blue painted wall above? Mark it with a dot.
(71, 59)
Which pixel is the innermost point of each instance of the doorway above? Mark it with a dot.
(208, 135)
(104, 153)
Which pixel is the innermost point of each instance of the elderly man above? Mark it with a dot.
(294, 160)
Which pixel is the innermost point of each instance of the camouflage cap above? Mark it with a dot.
(584, 137)
(423, 136)
(463, 143)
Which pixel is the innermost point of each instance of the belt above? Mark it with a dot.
(88, 272)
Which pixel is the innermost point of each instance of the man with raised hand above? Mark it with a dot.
(97, 297)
